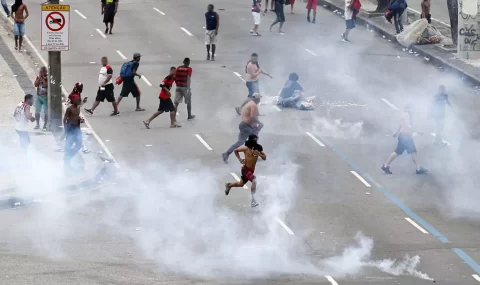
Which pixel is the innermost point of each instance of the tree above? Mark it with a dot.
(453, 13)
(382, 5)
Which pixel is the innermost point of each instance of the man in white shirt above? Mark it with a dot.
(22, 116)
(105, 88)
(349, 19)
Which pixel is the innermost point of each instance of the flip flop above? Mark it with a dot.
(147, 125)
(175, 126)
(139, 110)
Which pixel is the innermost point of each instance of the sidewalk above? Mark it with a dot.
(40, 171)
(440, 56)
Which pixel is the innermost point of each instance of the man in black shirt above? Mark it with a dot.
(211, 30)
(109, 10)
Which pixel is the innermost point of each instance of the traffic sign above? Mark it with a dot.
(55, 25)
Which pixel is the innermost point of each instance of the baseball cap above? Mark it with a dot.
(256, 95)
(137, 54)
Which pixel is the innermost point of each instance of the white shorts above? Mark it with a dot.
(210, 37)
(256, 18)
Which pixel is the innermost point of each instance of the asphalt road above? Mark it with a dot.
(164, 218)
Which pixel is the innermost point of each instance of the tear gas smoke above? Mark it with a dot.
(183, 229)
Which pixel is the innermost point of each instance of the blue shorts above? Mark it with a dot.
(350, 24)
(253, 87)
(19, 29)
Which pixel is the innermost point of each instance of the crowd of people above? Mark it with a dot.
(249, 126)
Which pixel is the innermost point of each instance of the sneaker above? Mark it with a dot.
(238, 110)
(191, 117)
(386, 169)
(254, 203)
(227, 188)
(89, 111)
(251, 31)
(115, 113)
(313, 22)
(225, 157)
(421, 170)
(256, 34)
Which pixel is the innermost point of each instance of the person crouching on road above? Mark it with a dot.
(166, 104)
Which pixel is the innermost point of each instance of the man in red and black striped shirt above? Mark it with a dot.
(182, 79)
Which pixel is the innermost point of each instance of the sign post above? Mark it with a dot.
(55, 37)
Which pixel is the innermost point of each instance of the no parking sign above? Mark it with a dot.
(55, 27)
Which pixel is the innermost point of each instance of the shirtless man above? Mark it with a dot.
(73, 133)
(252, 150)
(18, 10)
(248, 126)
(426, 11)
(405, 142)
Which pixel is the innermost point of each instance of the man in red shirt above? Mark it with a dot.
(182, 79)
(166, 104)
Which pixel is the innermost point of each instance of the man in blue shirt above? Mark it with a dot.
(291, 92)
(211, 30)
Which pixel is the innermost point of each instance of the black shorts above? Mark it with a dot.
(166, 105)
(106, 94)
(405, 143)
(109, 17)
(129, 87)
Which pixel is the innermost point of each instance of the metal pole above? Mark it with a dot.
(55, 114)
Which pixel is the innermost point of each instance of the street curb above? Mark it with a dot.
(85, 185)
(433, 59)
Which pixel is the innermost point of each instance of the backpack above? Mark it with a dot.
(127, 69)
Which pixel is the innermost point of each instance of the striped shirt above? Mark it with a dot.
(183, 73)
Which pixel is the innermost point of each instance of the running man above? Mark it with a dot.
(250, 125)
(252, 73)
(251, 150)
(183, 90)
(212, 24)
(128, 73)
(109, 10)
(405, 142)
(166, 104)
(437, 114)
(105, 88)
(73, 133)
(312, 5)
(257, 19)
(41, 102)
(280, 15)
(19, 15)
(22, 116)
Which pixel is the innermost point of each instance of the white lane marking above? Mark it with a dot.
(285, 227)
(315, 139)
(390, 104)
(95, 135)
(146, 81)
(331, 280)
(413, 10)
(360, 178)
(203, 141)
(476, 277)
(310, 52)
(416, 225)
(92, 62)
(121, 54)
(277, 108)
(80, 14)
(186, 31)
(349, 77)
(159, 11)
(444, 141)
(101, 33)
(235, 176)
(239, 76)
